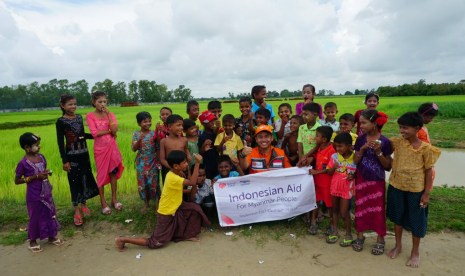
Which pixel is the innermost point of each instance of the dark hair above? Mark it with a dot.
(312, 107)
(245, 100)
(176, 157)
(256, 90)
(264, 112)
(64, 99)
(286, 105)
(167, 108)
(28, 139)
(173, 118)
(371, 94)
(201, 167)
(427, 109)
(213, 105)
(298, 118)
(311, 88)
(97, 94)
(347, 117)
(142, 116)
(326, 131)
(330, 105)
(223, 158)
(186, 124)
(229, 118)
(371, 115)
(191, 103)
(343, 138)
(412, 118)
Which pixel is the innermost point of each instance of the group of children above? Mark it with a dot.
(191, 154)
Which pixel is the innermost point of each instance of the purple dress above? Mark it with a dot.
(299, 106)
(40, 206)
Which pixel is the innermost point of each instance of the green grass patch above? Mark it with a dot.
(10, 125)
(13, 238)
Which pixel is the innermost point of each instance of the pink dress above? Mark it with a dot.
(107, 155)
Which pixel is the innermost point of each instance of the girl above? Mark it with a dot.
(308, 93)
(75, 157)
(428, 111)
(371, 101)
(103, 127)
(40, 206)
(146, 143)
(342, 186)
(372, 157)
(191, 130)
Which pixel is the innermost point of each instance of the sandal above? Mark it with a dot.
(78, 220)
(329, 231)
(332, 239)
(346, 243)
(86, 211)
(313, 230)
(57, 242)
(35, 249)
(118, 206)
(358, 244)
(378, 249)
(106, 210)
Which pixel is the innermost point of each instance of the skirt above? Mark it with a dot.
(341, 187)
(82, 183)
(43, 223)
(370, 213)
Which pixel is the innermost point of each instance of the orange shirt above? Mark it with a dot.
(423, 135)
(262, 163)
(323, 157)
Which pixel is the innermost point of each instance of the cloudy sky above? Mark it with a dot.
(214, 47)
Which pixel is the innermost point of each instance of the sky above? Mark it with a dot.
(216, 47)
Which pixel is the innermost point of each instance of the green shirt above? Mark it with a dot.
(307, 137)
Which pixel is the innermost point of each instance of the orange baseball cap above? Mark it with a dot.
(261, 128)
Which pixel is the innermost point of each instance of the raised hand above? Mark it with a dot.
(235, 161)
(263, 104)
(106, 111)
(198, 158)
(207, 145)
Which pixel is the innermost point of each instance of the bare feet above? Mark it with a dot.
(120, 244)
(394, 252)
(414, 260)
(194, 239)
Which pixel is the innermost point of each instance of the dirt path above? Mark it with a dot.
(217, 254)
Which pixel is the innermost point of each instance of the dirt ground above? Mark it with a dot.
(217, 254)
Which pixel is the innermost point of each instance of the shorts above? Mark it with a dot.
(322, 194)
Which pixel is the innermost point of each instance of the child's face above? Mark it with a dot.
(193, 112)
(209, 126)
(34, 148)
(192, 131)
(164, 113)
(224, 168)
(228, 127)
(342, 148)
(307, 93)
(372, 103)
(217, 112)
(245, 108)
(70, 106)
(146, 124)
(408, 131)
(284, 111)
(100, 102)
(201, 178)
(319, 139)
(176, 128)
(308, 116)
(366, 125)
(330, 113)
(345, 125)
(261, 120)
(261, 96)
(428, 119)
(295, 124)
(182, 166)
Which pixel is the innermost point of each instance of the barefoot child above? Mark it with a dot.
(243, 121)
(428, 111)
(108, 160)
(410, 184)
(228, 142)
(307, 132)
(75, 157)
(177, 220)
(162, 128)
(283, 125)
(308, 93)
(43, 223)
(330, 112)
(371, 101)
(145, 142)
(259, 95)
(290, 145)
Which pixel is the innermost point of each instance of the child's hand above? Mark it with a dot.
(377, 148)
(370, 144)
(424, 200)
(67, 167)
(263, 104)
(42, 176)
(213, 182)
(227, 138)
(217, 124)
(106, 111)
(141, 137)
(189, 158)
(251, 115)
(160, 128)
(246, 150)
(284, 120)
(198, 158)
(235, 161)
(312, 172)
(207, 145)
(350, 176)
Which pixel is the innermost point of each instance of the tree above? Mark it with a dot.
(330, 92)
(321, 92)
(133, 91)
(231, 95)
(182, 94)
(348, 93)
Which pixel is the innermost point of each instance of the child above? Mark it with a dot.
(346, 124)
(342, 168)
(320, 174)
(173, 142)
(330, 112)
(40, 206)
(163, 130)
(177, 220)
(103, 127)
(308, 93)
(75, 157)
(144, 141)
(371, 101)
(228, 142)
(191, 131)
(243, 121)
(215, 108)
(203, 193)
(410, 184)
(307, 131)
(206, 149)
(372, 157)
(225, 163)
(428, 111)
(282, 126)
(262, 118)
(259, 96)
(290, 145)
(193, 112)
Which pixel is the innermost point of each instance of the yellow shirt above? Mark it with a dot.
(171, 196)
(232, 146)
(409, 164)
(354, 137)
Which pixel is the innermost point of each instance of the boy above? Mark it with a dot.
(176, 220)
(228, 142)
(259, 96)
(243, 121)
(215, 108)
(191, 132)
(410, 183)
(320, 174)
(346, 124)
(282, 126)
(262, 118)
(307, 131)
(205, 144)
(290, 145)
(203, 193)
(225, 166)
(193, 112)
(330, 111)
(163, 130)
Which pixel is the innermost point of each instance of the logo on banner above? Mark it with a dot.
(244, 181)
(222, 185)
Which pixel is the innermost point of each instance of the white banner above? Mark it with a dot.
(272, 195)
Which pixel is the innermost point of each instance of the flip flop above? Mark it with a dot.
(106, 210)
(332, 239)
(313, 230)
(35, 249)
(118, 206)
(86, 211)
(78, 220)
(346, 243)
(57, 242)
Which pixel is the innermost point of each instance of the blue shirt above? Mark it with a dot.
(231, 174)
(268, 106)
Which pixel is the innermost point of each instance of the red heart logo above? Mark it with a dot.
(227, 220)
(222, 185)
